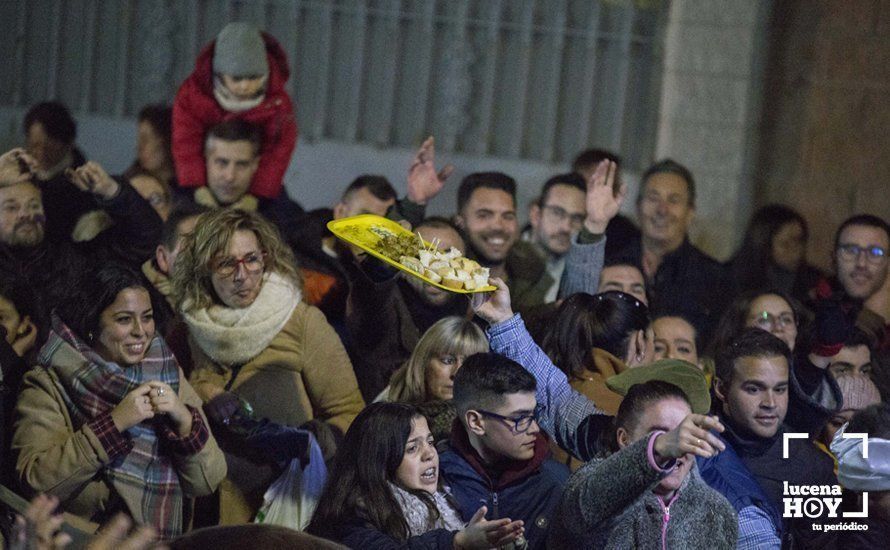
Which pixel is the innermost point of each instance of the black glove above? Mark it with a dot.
(221, 408)
(278, 442)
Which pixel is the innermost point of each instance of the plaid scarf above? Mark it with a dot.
(145, 478)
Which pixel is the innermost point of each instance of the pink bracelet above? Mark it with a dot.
(650, 454)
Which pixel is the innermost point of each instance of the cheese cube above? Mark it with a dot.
(451, 282)
(411, 263)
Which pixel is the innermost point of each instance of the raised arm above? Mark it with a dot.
(16, 166)
(137, 228)
(424, 183)
(565, 410)
(584, 261)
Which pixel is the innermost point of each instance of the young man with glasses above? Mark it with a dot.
(555, 217)
(861, 245)
(497, 454)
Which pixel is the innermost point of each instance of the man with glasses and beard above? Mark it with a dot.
(49, 267)
(554, 218)
(860, 260)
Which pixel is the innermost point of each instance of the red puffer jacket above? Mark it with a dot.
(196, 110)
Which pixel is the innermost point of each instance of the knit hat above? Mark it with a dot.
(682, 374)
(240, 51)
(858, 391)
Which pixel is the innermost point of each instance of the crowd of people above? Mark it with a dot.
(178, 339)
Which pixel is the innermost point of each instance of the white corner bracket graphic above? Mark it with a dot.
(863, 437)
(792, 435)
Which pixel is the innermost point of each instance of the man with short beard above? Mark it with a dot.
(486, 215)
(554, 219)
(50, 267)
(752, 386)
(861, 246)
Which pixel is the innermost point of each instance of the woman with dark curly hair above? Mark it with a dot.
(107, 421)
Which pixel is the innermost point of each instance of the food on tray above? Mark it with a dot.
(449, 268)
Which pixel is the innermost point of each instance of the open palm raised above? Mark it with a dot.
(603, 200)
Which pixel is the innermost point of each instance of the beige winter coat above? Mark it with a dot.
(303, 374)
(59, 459)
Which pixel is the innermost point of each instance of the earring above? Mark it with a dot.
(90, 337)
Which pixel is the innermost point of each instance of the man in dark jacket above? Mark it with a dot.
(752, 385)
(50, 267)
(862, 263)
(497, 455)
(50, 132)
(321, 255)
(679, 276)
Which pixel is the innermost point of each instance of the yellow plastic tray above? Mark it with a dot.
(357, 230)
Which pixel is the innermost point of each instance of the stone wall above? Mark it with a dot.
(824, 147)
(710, 105)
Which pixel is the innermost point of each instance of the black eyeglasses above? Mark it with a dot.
(851, 252)
(519, 424)
(561, 215)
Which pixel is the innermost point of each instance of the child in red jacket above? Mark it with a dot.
(241, 74)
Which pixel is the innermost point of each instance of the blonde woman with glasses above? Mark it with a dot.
(258, 349)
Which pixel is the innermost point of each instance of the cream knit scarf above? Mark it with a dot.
(232, 104)
(232, 336)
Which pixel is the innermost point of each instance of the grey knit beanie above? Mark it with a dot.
(240, 51)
